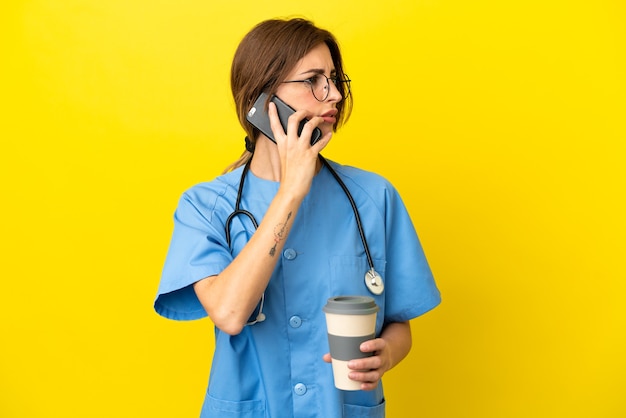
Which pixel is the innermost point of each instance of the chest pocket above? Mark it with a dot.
(347, 278)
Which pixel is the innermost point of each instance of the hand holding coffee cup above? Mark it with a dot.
(350, 321)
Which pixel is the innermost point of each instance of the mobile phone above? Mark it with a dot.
(257, 116)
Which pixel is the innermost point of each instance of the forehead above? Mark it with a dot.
(316, 60)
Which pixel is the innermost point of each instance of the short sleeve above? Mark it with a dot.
(410, 286)
(197, 250)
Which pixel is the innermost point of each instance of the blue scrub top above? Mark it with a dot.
(275, 368)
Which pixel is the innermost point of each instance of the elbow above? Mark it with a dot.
(226, 317)
(227, 323)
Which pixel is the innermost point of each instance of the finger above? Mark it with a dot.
(368, 363)
(309, 126)
(306, 133)
(323, 141)
(370, 346)
(327, 358)
(365, 377)
(367, 386)
(308, 130)
(275, 125)
(293, 124)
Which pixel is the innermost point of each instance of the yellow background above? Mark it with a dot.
(500, 122)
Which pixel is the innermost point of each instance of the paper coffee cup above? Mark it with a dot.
(350, 320)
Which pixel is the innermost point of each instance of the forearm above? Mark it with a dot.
(397, 336)
(230, 297)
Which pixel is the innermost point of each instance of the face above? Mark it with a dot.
(299, 95)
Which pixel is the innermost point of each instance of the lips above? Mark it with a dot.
(330, 116)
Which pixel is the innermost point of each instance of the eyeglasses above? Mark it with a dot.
(320, 85)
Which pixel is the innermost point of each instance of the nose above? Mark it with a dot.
(334, 95)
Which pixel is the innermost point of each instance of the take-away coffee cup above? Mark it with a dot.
(350, 320)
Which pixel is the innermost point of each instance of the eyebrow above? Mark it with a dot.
(318, 71)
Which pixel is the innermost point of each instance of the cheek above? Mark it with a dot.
(296, 96)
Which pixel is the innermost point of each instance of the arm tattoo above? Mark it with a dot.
(280, 232)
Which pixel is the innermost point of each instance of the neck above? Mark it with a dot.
(265, 162)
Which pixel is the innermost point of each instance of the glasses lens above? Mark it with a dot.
(320, 87)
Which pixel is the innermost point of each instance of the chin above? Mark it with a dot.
(326, 128)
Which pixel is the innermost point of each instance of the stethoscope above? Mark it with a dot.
(373, 281)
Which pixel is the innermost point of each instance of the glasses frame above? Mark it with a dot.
(336, 80)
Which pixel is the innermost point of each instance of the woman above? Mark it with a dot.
(264, 287)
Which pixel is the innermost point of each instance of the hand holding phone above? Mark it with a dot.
(259, 118)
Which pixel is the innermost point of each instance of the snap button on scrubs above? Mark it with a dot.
(290, 253)
(300, 389)
(295, 321)
(274, 368)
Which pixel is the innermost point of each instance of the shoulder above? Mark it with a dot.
(208, 202)
(366, 181)
(208, 194)
(371, 190)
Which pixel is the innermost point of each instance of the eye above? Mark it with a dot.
(315, 81)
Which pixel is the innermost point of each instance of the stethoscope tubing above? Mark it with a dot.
(357, 216)
(355, 210)
(238, 210)
(370, 275)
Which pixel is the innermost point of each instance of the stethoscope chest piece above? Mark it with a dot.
(374, 282)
